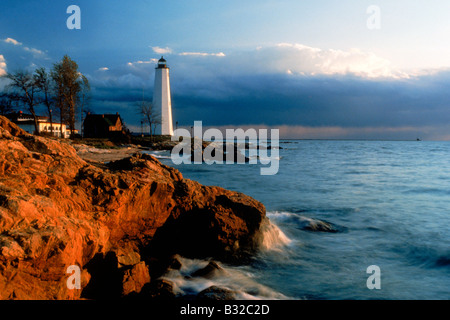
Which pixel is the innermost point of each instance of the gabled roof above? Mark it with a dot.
(109, 119)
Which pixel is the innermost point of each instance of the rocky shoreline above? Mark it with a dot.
(121, 221)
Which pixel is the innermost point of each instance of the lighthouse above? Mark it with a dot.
(161, 97)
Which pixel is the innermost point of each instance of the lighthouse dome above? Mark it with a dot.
(162, 63)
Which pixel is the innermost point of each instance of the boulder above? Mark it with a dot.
(210, 222)
(174, 263)
(158, 289)
(217, 293)
(316, 225)
(211, 270)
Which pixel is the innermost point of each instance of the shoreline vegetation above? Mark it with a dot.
(121, 216)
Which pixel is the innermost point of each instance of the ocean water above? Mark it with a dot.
(387, 202)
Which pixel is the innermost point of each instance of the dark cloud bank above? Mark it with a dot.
(362, 108)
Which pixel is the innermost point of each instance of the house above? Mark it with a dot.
(26, 122)
(102, 125)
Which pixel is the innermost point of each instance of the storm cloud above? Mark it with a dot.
(307, 91)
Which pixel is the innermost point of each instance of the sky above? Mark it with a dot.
(325, 69)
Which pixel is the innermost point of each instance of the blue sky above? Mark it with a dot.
(313, 69)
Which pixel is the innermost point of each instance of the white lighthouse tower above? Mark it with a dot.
(161, 97)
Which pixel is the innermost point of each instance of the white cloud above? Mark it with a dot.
(34, 51)
(140, 62)
(202, 54)
(145, 62)
(296, 58)
(2, 65)
(12, 41)
(160, 50)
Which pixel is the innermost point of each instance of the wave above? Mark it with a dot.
(238, 280)
(161, 157)
(155, 151)
(273, 238)
(305, 223)
(427, 257)
(163, 154)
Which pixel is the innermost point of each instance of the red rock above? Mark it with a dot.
(57, 210)
(135, 278)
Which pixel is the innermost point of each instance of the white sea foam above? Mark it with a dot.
(163, 154)
(273, 237)
(160, 157)
(280, 215)
(237, 279)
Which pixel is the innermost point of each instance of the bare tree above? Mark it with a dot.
(151, 115)
(23, 85)
(44, 83)
(84, 101)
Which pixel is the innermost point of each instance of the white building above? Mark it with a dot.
(161, 97)
(26, 122)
